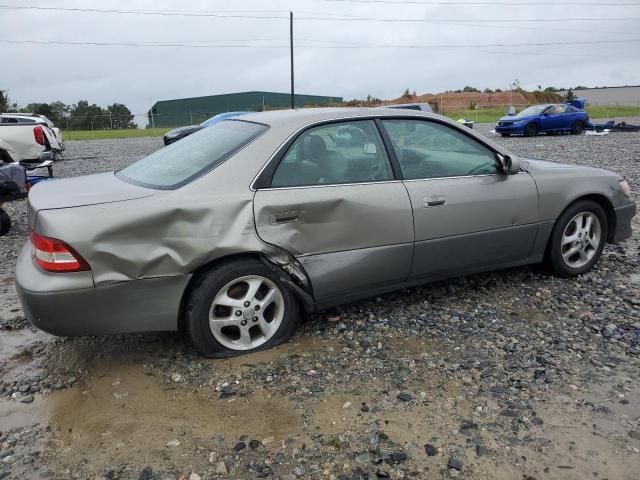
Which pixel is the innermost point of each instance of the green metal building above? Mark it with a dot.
(189, 111)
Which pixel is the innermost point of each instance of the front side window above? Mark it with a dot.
(431, 150)
(345, 152)
(556, 110)
(183, 161)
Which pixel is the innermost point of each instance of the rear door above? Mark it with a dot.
(334, 203)
(468, 215)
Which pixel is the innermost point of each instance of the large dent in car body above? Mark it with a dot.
(171, 233)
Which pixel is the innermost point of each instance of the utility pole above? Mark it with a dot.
(153, 123)
(293, 101)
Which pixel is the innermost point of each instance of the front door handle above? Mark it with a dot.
(284, 217)
(433, 201)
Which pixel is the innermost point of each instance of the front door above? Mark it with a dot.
(468, 214)
(334, 204)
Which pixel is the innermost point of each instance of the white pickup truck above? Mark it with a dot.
(25, 137)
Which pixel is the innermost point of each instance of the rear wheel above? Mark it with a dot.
(5, 223)
(505, 134)
(239, 307)
(578, 239)
(531, 130)
(577, 127)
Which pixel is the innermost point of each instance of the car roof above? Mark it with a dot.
(296, 118)
(286, 122)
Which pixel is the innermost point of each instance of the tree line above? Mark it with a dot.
(77, 116)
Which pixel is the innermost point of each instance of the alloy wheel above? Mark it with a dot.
(246, 312)
(581, 239)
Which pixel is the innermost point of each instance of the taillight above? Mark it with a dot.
(38, 134)
(54, 255)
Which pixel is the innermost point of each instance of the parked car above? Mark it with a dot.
(181, 132)
(421, 107)
(229, 233)
(550, 118)
(23, 138)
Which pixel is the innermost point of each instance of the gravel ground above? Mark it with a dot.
(513, 374)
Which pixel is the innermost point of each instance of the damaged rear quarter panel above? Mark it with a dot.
(171, 233)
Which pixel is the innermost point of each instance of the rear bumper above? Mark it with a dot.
(57, 306)
(624, 215)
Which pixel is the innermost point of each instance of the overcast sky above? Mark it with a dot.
(137, 76)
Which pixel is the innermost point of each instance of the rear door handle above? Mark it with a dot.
(285, 217)
(435, 203)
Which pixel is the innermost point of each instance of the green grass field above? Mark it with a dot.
(481, 115)
(110, 134)
(491, 115)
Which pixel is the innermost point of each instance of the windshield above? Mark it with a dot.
(179, 163)
(534, 110)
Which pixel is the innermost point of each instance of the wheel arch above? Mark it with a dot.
(601, 200)
(305, 298)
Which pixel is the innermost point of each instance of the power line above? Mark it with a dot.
(462, 48)
(345, 46)
(312, 18)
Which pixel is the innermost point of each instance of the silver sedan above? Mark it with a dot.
(231, 233)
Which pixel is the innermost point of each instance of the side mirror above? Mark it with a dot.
(369, 148)
(510, 165)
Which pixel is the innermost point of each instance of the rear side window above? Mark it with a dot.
(183, 161)
(346, 152)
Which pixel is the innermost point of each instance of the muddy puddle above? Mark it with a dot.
(18, 347)
(130, 415)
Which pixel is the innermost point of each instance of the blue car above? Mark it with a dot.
(181, 132)
(550, 118)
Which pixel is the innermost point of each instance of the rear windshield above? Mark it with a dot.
(187, 159)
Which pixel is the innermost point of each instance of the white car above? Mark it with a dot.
(24, 137)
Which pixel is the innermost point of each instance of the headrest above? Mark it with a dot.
(312, 147)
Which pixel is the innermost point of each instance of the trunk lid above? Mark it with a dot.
(83, 191)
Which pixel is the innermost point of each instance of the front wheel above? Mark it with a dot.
(531, 130)
(239, 307)
(505, 134)
(577, 239)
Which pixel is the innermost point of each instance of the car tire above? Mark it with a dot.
(505, 134)
(250, 322)
(5, 223)
(531, 130)
(577, 127)
(574, 231)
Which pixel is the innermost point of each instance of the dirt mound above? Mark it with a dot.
(465, 100)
